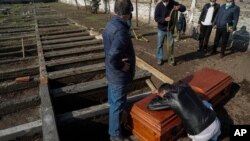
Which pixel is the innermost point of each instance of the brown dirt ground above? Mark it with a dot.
(235, 110)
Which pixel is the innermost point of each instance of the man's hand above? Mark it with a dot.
(126, 66)
(177, 7)
(167, 19)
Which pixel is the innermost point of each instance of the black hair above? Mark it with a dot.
(122, 7)
(165, 87)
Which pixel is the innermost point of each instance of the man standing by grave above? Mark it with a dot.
(206, 19)
(226, 22)
(120, 65)
(166, 23)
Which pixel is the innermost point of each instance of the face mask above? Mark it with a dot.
(211, 3)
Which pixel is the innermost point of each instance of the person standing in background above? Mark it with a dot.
(165, 23)
(119, 63)
(206, 20)
(225, 22)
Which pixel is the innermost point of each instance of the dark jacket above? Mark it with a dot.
(227, 16)
(117, 46)
(204, 12)
(162, 11)
(188, 106)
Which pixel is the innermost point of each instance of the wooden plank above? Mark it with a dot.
(17, 37)
(93, 111)
(27, 129)
(49, 128)
(13, 27)
(17, 60)
(74, 44)
(92, 85)
(56, 28)
(17, 53)
(16, 47)
(76, 59)
(143, 65)
(85, 33)
(15, 105)
(150, 85)
(53, 25)
(73, 51)
(63, 32)
(75, 71)
(13, 73)
(17, 34)
(65, 40)
(50, 132)
(12, 86)
(16, 30)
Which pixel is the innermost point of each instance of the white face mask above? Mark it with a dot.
(212, 3)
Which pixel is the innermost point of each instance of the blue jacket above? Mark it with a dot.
(227, 16)
(162, 11)
(118, 45)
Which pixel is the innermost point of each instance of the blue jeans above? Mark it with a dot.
(117, 98)
(160, 41)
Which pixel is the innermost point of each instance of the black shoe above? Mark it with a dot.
(157, 103)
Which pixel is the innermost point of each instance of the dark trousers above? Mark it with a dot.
(205, 32)
(221, 33)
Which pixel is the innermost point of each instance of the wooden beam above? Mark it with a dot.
(13, 27)
(71, 45)
(16, 48)
(70, 60)
(16, 30)
(85, 33)
(92, 85)
(75, 71)
(93, 111)
(73, 51)
(14, 105)
(12, 86)
(65, 40)
(17, 53)
(49, 127)
(54, 25)
(150, 84)
(2, 62)
(66, 31)
(23, 49)
(27, 129)
(17, 37)
(143, 65)
(13, 73)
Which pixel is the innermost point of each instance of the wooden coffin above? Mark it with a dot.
(165, 125)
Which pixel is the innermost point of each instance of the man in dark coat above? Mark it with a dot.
(120, 65)
(206, 20)
(226, 22)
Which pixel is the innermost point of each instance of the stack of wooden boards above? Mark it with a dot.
(165, 125)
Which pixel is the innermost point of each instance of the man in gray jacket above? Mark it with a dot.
(226, 22)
